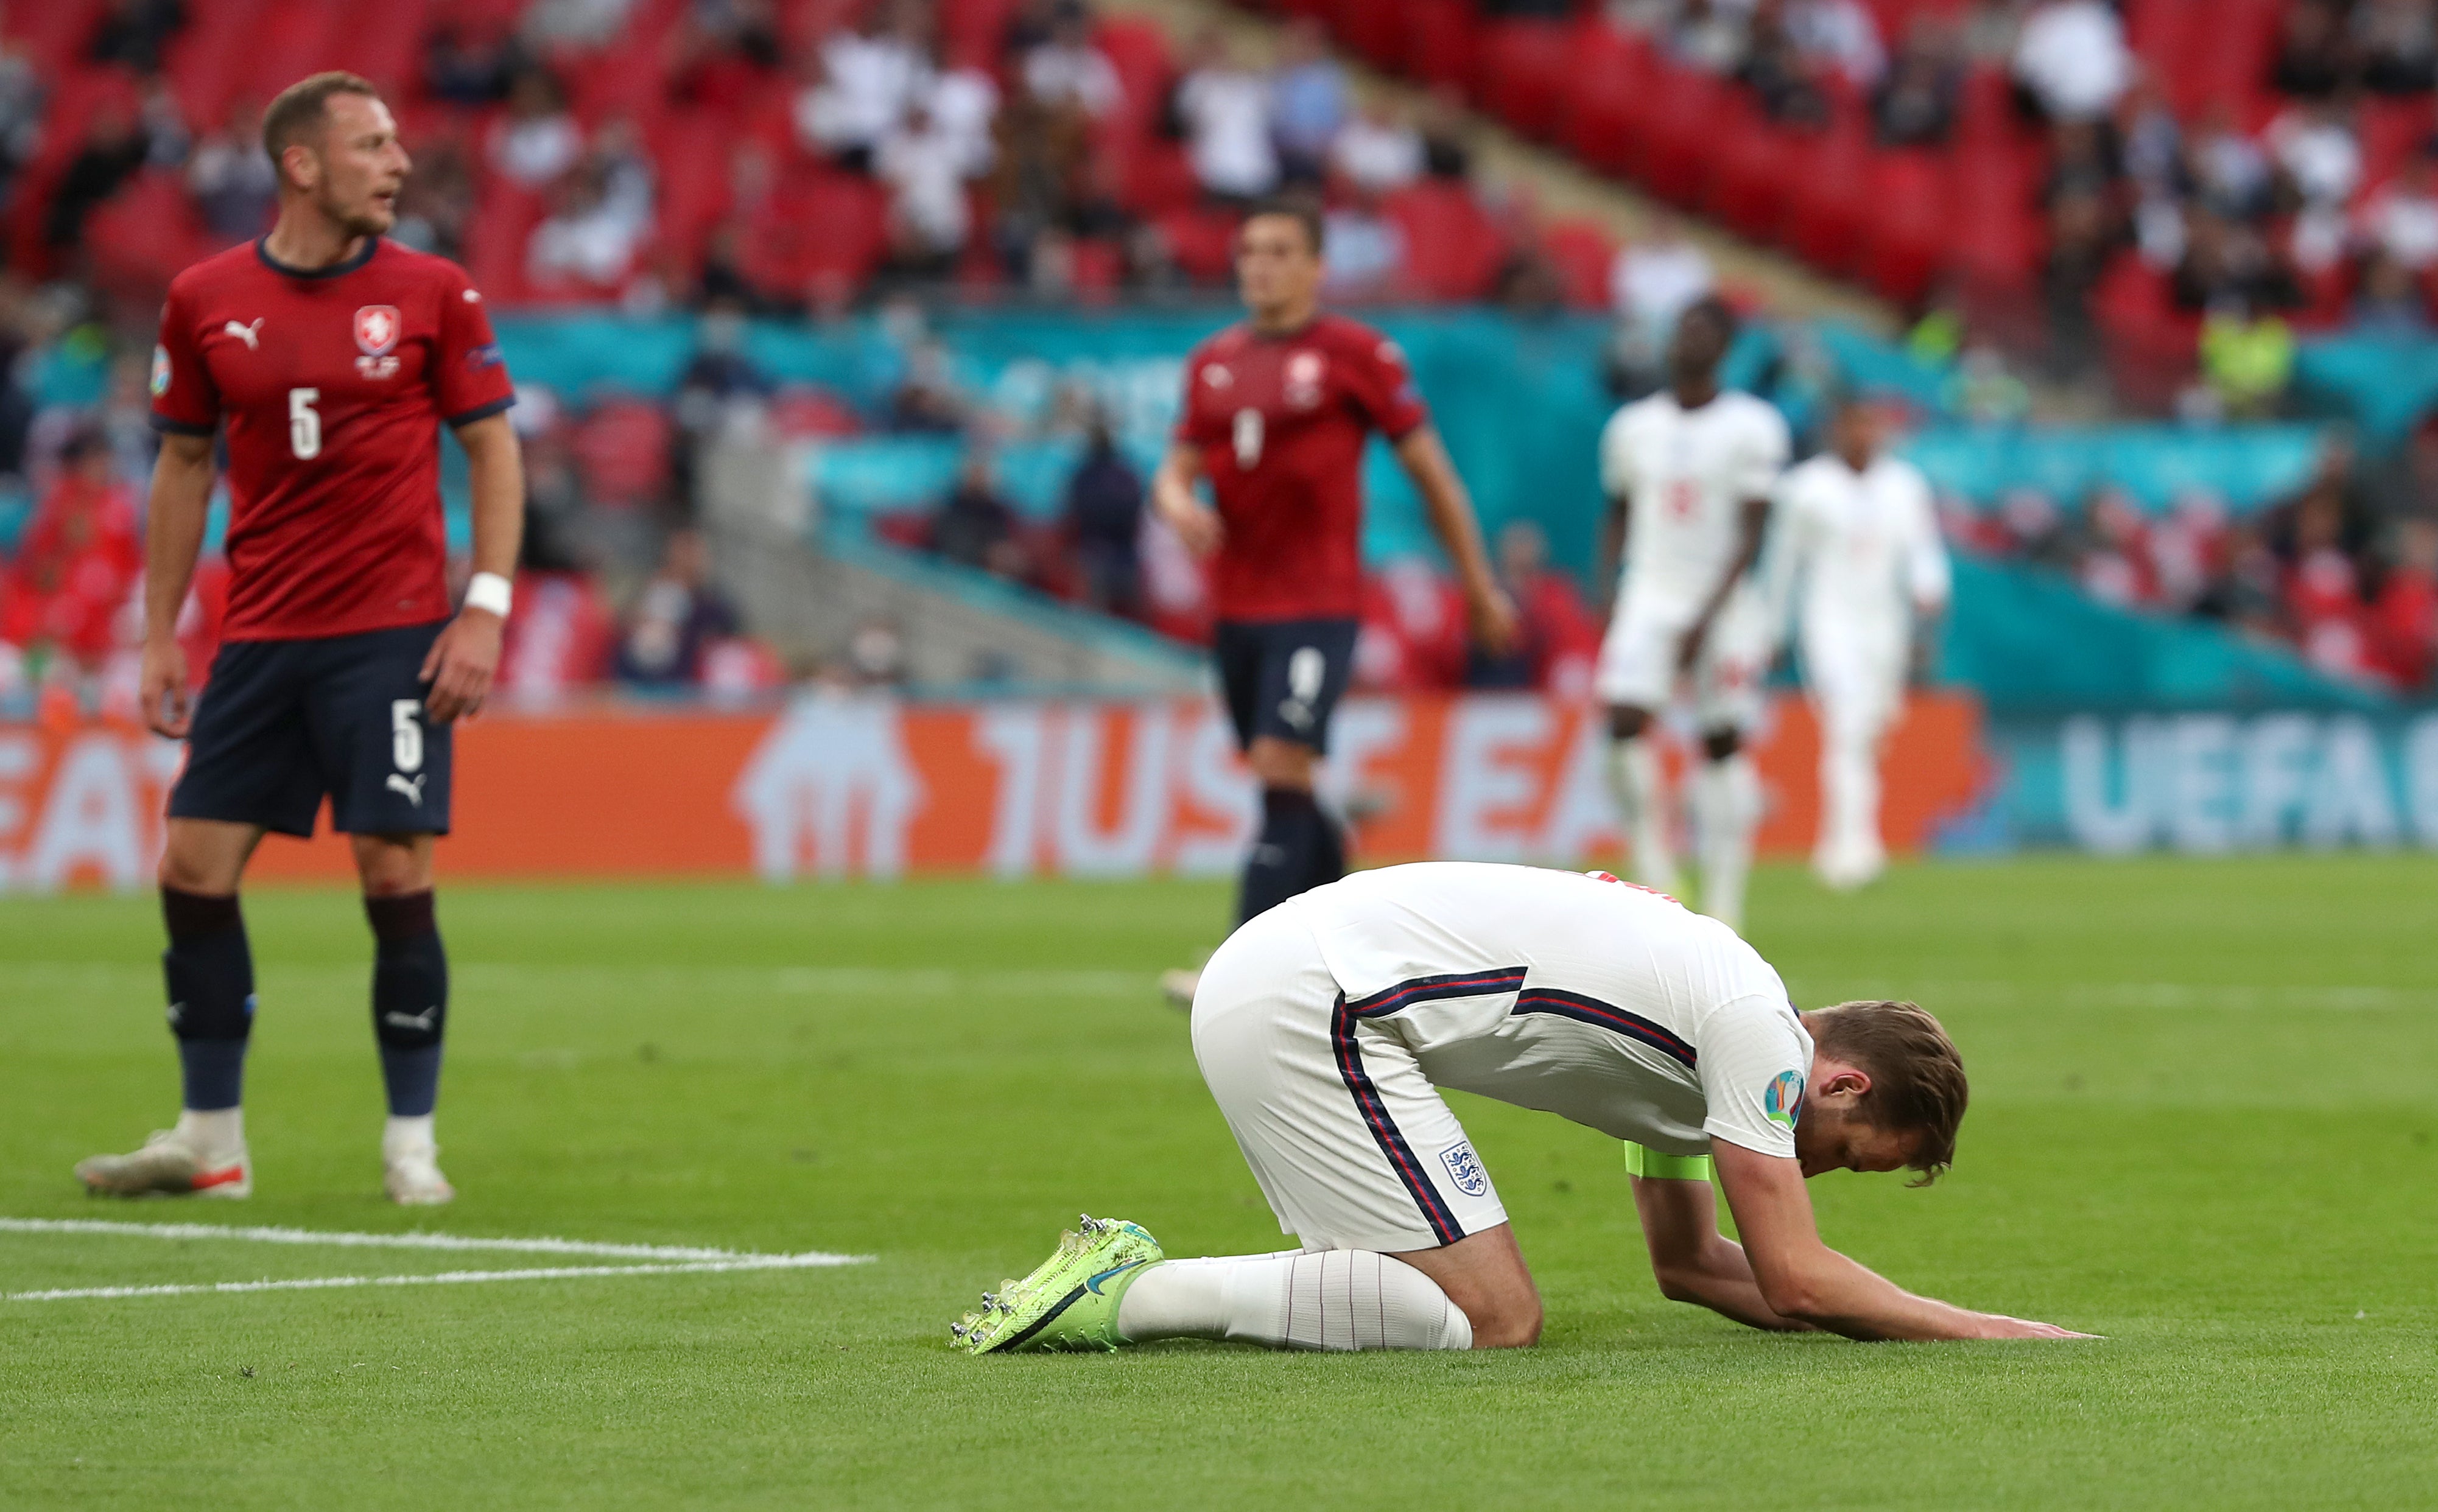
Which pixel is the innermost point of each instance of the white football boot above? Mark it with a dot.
(169, 1166)
(410, 1173)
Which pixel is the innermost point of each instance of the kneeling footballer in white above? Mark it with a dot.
(1326, 1029)
(1859, 545)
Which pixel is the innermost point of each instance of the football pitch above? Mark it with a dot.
(2205, 1124)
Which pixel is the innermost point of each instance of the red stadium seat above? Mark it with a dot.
(622, 452)
(1453, 250)
(1523, 73)
(1829, 207)
(1375, 28)
(1440, 40)
(1581, 252)
(1752, 171)
(1606, 91)
(1203, 241)
(1672, 156)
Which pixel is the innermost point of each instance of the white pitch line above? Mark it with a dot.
(385, 1242)
(561, 1272)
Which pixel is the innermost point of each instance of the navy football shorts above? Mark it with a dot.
(1284, 678)
(281, 724)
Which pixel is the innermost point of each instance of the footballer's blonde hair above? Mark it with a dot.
(1918, 1082)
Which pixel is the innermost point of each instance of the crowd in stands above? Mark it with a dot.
(2345, 570)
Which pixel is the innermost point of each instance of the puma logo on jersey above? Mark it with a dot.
(250, 335)
(420, 1022)
(411, 787)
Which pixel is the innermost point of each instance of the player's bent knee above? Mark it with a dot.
(390, 865)
(1277, 763)
(1505, 1324)
(1721, 744)
(1625, 723)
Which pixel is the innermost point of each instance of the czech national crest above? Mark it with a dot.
(377, 329)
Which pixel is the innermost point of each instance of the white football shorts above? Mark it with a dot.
(1352, 1146)
(1637, 660)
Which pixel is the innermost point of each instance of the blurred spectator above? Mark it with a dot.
(2226, 262)
(1914, 105)
(1841, 36)
(538, 140)
(2035, 528)
(77, 563)
(1037, 174)
(438, 201)
(587, 239)
(1069, 70)
(2313, 59)
(721, 50)
(2397, 43)
(2403, 618)
(1559, 634)
(163, 121)
(1308, 101)
(2247, 360)
(2071, 60)
(2313, 145)
(114, 147)
(678, 614)
(2234, 176)
(1709, 34)
(1224, 110)
(231, 177)
(1446, 153)
(2400, 219)
(2188, 550)
(2323, 587)
(1776, 68)
(2114, 566)
(876, 654)
(926, 165)
(1104, 519)
(2388, 305)
(976, 526)
(964, 102)
(574, 23)
(462, 67)
(925, 401)
(721, 384)
(1657, 276)
(1379, 150)
(1528, 284)
(1366, 250)
(20, 112)
(866, 79)
(133, 33)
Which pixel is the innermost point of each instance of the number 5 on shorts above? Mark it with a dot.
(406, 735)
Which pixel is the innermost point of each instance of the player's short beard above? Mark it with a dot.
(357, 220)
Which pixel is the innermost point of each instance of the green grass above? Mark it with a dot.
(2204, 1124)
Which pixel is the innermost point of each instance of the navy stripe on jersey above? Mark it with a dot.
(1431, 989)
(1384, 1133)
(1605, 1015)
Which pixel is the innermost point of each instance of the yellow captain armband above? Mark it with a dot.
(1651, 1164)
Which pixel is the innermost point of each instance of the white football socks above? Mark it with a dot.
(407, 1136)
(217, 1134)
(1634, 778)
(1850, 852)
(1332, 1300)
(1726, 809)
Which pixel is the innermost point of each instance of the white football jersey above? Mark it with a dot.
(1861, 549)
(1687, 475)
(1575, 993)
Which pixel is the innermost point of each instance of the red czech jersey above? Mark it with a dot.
(1280, 422)
(333, 383)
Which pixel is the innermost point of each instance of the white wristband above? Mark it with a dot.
(489, 590)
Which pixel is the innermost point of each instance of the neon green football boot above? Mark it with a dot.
(1070, 1301)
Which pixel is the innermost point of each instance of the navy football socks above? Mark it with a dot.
(209, 971)
(410, 999)
(1299, 848)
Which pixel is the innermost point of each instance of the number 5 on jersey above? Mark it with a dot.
(304, 423)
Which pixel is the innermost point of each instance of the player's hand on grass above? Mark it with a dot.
(460, 666)
(163, 689)
(2001, 1326)
(1199, 527)
(1495, 623)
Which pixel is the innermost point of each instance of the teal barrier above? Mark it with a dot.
(2249, 468)
(2384, 384)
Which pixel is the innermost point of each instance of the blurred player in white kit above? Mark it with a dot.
(1858, 546)
(1690, 473)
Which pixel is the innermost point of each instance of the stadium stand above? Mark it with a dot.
(2172, 194)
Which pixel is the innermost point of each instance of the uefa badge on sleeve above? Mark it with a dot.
(160, 371)
(376, 332)
(1781, 1101)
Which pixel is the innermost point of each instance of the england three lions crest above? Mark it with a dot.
(377, 333)
(1464, 1168)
